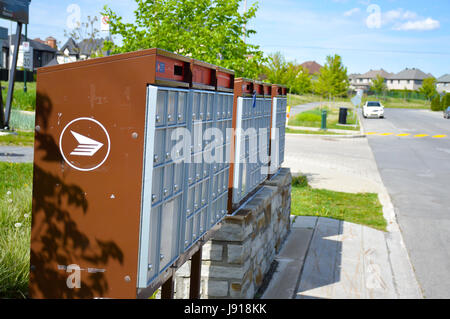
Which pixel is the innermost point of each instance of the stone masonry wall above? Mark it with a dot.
(236, 259)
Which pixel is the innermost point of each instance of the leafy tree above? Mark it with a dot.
(208, 30)
(333, 80)
(86, 31)
(302, 83)
(276, 68)
(436, 103)
(429, 88)
(291, 74)
(378, 85)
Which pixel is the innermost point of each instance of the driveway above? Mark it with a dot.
(15, 154)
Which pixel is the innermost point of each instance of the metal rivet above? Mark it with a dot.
(134, 135)
(158, 118)
(127, 278)
(161, 257)
(175, 187)
(150, 267)
(153, 197)
(169, 117)
(38, 128)
(167, 155)
(155, 159)
(165, 191)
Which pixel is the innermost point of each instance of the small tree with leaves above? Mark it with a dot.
(429, 88)
(333, 80)
(209, 30)
(379, 85)
(86, 31)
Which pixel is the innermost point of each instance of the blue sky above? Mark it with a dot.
(389, 34)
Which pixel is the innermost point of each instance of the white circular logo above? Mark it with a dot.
(84, 144)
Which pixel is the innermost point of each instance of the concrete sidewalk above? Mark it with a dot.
(326, 258)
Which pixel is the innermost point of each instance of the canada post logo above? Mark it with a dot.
(84, 144)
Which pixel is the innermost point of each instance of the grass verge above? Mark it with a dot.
(399, 103)
(313, 118)
(15, 228)
(21, 139)
(310, 98)
(364, 208)
(21, 100)
(290, 131)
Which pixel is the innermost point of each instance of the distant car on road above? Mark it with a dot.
(447, 113)
(373, 109)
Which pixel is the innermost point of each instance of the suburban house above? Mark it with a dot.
(408, 79)
(364, 81)
(73, 51)
(443, 84)
(43, 51)
(312, 66)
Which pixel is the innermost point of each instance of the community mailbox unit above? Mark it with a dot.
(278, 127)
(116, 202)
(250, 147)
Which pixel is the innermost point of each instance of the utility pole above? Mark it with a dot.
(245, 26)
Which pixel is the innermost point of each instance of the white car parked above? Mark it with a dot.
(373, 109)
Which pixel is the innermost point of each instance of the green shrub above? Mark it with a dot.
(445, 101)
(436, 104)
(300, 181)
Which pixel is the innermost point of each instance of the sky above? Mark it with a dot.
(388, 34)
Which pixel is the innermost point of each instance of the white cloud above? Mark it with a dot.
(420, 25)
(351, 12)
(393, 16)
(405, 20)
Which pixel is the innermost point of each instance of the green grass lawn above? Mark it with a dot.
(15, 227)
(21, 139)
(290, 131)
(313, 118)
(399, 103)
(21, 100)
(364, 209)
(310, 98)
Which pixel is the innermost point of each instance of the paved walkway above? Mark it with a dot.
(335, 259)
(15, 154)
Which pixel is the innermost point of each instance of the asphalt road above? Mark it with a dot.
(416, 172)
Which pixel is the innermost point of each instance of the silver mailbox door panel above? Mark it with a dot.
(177, 202)
(162, 203)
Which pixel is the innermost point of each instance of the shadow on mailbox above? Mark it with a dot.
(62, 239)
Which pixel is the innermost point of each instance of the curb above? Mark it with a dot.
(333, 136)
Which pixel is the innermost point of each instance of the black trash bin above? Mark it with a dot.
(343, 111)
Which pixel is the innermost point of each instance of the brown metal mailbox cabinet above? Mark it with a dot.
(278, 126)
(115, 201)
(250, 148)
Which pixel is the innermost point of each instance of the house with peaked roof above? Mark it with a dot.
(408, 79)
(72, 51)
(443, 84)
(312, 66)
(365, 81)
(43, 51)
